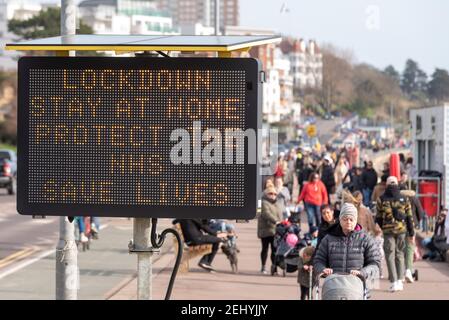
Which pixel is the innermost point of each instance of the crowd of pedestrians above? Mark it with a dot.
(360, 216)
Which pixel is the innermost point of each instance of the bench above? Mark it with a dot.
(189, 252)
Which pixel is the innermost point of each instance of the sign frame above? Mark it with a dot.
(253, 121)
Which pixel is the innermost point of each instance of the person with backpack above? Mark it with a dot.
(394, 216)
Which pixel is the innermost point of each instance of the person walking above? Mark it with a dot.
(347, 248)
(356, 183)
(266, 225)
(314, 195)
(379, 189)
(341, 173)
(327, 221)
(394, 216)
(327, 176)
(369, 181)
(364, 216)
(418, 216)
(305, 271)
(283, 195)
(307, 170)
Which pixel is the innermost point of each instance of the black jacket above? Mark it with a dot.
(356, 183)
(327, 176)
(192, 230)
(323, 230)
(369, 178)
(341, 253)
(305, 173)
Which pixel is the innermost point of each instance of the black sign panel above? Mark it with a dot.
(138, 137)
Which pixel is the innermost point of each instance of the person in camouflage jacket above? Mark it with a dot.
(394, 216)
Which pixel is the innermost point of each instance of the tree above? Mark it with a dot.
(439, 86)
(45, 24)
(393, 74)
(336, 86)
(374, 91)
(414, 80)
(8, 128)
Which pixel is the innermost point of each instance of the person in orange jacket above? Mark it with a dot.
(314, 195)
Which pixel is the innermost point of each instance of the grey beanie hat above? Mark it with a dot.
(348, 209)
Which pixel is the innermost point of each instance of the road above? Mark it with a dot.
(326, 128)
(22, 235)
(27, 256)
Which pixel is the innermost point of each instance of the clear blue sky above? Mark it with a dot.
(379, 32)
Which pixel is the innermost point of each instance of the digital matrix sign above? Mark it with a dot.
(138, 137)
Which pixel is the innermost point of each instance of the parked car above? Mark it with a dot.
(8, 170)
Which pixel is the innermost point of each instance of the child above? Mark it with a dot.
(220, 225)
(379, 240)
(310, 238)
(305, 268)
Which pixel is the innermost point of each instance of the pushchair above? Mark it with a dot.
(341, 286)
(287, 246)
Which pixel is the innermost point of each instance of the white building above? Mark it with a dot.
(141, 24)
(278, 90)
(124, 17)
(282, 64)
(271, 93)
(197, 29)
(306, 62)
(277, 102)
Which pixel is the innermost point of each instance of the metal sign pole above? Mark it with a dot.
(67, 275)
(142, 246)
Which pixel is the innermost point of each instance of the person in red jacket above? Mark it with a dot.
(314, 195)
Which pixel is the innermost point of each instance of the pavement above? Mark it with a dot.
(250, 284)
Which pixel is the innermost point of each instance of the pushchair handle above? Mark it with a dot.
(360, 276)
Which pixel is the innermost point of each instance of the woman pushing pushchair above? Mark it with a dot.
(348, 249)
